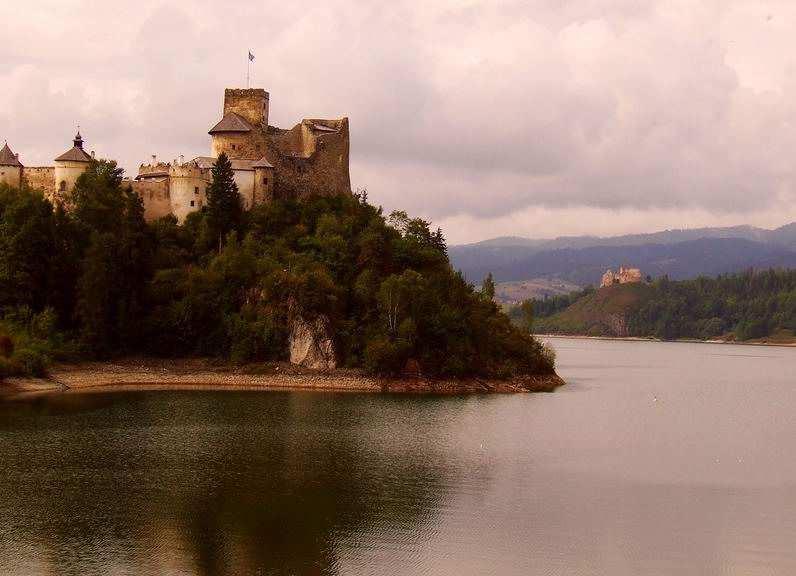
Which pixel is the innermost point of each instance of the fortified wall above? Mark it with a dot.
(40, 178)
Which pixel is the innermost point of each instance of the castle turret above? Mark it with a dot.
(69, 166)
(10, 167)
(263, 181)
(240, 133)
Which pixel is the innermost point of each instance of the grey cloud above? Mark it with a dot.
(476, 109)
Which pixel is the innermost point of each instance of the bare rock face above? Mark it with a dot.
(311, 344)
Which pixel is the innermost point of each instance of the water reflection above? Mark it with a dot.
(208, 483)
(655, 459)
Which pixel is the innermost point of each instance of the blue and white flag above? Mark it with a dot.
(251, 56)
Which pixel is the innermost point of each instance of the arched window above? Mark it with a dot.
(62, 186)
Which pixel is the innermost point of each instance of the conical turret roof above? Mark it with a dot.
(76, 154)
(8, 158)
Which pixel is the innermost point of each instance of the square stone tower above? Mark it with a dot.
(249, 103)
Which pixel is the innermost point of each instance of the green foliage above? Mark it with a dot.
(30, 341)
(747, 306)
(488, 287)
(228, 284)
(224, 211)
(527, 311)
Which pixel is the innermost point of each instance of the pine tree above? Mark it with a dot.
(224, 212)
(488, 287)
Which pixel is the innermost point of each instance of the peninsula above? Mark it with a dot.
(255, 258)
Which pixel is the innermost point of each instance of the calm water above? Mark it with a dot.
(656, 459)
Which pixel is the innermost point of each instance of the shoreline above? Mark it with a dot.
(653, 339)
(198, 374)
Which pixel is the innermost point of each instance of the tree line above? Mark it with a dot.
(93, 279)
(751, 305)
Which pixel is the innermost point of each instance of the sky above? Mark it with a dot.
(535, 118)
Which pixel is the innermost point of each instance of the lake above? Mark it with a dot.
(656, 459)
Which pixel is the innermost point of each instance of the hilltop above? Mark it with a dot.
(751, 306)
(325, 282)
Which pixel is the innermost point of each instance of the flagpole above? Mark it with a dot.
(248, 68)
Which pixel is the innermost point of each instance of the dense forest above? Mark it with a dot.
(96, 280)
(748, 306)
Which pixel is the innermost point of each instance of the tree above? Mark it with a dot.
(97, 202)
(488, 288)
(527, 315)
(224, 212)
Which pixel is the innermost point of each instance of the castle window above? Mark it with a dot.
(62, 186)
(193, 203)
(233, 146)
(196, 189)
(265, 181)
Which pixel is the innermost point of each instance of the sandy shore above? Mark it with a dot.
(199, 374)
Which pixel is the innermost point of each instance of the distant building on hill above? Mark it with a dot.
(624, 276)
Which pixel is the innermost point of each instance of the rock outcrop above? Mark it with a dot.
(311, 343)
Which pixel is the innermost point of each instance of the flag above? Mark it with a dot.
(251, 56)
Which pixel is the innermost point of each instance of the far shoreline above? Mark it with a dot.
(678, 341)
(203, 374)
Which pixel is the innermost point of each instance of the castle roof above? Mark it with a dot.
(157, 174)
(8, 158)
(76, 154)
(262, 163)
(207, 162)
(204, 162)
(231, 122)
(322, 128)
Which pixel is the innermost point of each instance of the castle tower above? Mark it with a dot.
(250, 104)
(69, 166)
(240, 133)
(10, 167)
(263, 182)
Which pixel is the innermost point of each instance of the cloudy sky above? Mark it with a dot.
(534, 118)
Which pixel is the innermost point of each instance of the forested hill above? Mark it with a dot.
(748, 306)
(582, 260)
(97, 280)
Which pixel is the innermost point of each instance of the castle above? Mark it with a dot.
(624, 276)
(268, 162)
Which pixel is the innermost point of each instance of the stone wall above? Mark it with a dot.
(263, 185)
(310, 162)
(155, 196)
(40, 178)
(66, 175)
(11, 175)
(245, 181)
(188, 189)
(239, 146)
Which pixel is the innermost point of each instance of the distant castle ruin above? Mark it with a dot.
(309, 159)
(624, 276)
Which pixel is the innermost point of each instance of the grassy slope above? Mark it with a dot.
(599, 314)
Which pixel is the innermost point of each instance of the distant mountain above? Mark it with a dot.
(680, 254)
